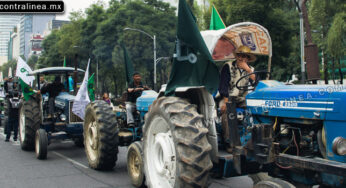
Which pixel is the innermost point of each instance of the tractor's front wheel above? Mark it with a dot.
(100, 135)
(261, 176)
(273, 183)
(41, 144)
(176, 149)
(135, 164)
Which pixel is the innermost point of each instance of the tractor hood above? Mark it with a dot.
(64, 96)
(272, 98)
(145, 100)
(63, 99)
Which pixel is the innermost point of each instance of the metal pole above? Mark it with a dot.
(75, 75)
(155, 62)
(302, 57)
(97, 75)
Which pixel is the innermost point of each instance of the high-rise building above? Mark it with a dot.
(54, 24)
(7, 23)
(32, 24)
(13, 44)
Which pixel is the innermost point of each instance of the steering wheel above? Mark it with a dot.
(251, 85)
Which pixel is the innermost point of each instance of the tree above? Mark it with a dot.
(282, 21)
(50, 55)
(6, 66)
(32, 61)
(336, 40)
(322, 14)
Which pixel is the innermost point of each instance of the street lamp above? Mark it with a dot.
(75, 72)
(154, 39)
(161, 58)
(301, 31)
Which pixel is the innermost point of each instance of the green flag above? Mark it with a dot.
(128, 66)
(26, 89)
(216, 22)
(192, 63)
(64, 61)
(91, 88)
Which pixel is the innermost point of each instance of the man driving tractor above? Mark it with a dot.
(134, 91)
(231, 72)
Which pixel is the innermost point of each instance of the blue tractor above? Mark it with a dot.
(36, 128)
(295, 133)
(106, 129)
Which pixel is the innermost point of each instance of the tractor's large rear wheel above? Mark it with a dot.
(29, 122)
(176, 149)
(100, 136)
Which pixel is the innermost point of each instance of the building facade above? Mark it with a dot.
(35, 44)
(13, 44)
(32, 25)
(54, 24)
(7, 24)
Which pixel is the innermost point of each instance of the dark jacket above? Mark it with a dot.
(132, 96)
(53, 89)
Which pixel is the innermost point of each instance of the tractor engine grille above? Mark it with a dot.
(73, 117)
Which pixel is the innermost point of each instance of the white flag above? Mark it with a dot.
(23, 70)
(82, 98)
(9, 72)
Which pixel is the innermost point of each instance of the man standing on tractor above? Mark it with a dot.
(43, 82)
(134, 91)
(231, 72)
(53, 90)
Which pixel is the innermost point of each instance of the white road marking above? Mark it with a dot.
(2, 132)
(69, 159)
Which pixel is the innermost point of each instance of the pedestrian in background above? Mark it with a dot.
(106, 98)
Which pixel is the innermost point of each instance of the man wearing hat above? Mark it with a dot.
(231, 72)
(134, 91)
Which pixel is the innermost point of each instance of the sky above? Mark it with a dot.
(75, 5)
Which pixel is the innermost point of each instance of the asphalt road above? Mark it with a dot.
(67, 166)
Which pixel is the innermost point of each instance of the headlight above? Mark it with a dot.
(339, 146)
(62, 117)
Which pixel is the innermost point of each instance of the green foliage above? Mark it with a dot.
(98, 32)
(6, 66)
(327, 20)
(32, 61)
(282, 21)
(336, 38)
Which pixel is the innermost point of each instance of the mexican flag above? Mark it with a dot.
(25, 81)
(200, 70)
(216, 22)
(91, 88)
(82, 98)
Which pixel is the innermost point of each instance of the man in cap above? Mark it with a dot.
(134, 91)
(231, 72)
